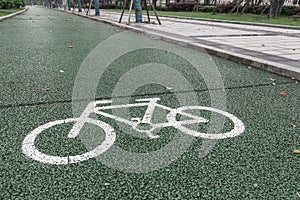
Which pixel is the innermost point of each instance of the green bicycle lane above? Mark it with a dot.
(37, 86)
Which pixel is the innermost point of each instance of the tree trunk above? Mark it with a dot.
(262, 12)
(215, 7)
(245, 7)
(154, 4)
(207, 2)
(278, 7)
(259, 2)
(238, 9)
(271, 9)
(236, 6)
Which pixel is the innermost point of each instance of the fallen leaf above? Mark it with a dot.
(294, 126)
(70, 46)
(296, 151)
(44, 89)
(283, 93)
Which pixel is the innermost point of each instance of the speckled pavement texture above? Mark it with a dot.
(42, 54)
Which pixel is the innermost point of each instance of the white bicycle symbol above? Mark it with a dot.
(143, 125)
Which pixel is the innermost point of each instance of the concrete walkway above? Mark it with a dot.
(273, 48)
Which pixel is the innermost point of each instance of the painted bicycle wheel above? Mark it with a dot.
(238, 126)
(30, 150)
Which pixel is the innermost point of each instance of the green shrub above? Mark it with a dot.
(257, 9)
(202, 8)
(8, 4)
(5, 4)
(181, 6)
(225, 7)
(19, 3)
(288, 10)
(161, 8)
(108, 6)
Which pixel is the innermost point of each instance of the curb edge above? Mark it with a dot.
(277, 68)
(13, 14)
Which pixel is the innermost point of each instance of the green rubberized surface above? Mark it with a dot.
(36, 43)
(258, 164)
(33, 46)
